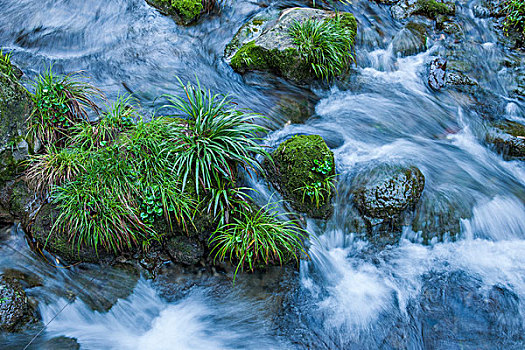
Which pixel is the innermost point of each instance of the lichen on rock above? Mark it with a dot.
(15, 146)
(295, 166)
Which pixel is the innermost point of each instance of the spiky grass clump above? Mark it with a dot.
(5, 64)
(215, 140)
(56, 166)
(258, 238)
(514, 11)
(325, 45)
(125, 187)
(118, 117)
(61, 101)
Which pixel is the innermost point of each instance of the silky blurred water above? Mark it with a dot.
(459, 292)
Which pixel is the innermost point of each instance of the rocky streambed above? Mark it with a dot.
(418, 245)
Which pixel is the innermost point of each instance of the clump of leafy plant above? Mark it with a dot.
(325, 45)
(215, 139)
(61, 101)
(514, 11)
(257, 237)
(322, 167)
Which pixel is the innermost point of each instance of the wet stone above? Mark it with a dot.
(15, 310)
(437, 73)
(508, 138)
(386, 191)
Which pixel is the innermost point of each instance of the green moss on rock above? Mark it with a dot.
(294, 160)
(187, 10)
(432, 8)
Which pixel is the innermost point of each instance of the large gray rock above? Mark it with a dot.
(386, 191)
(264, 44)
(428, 8)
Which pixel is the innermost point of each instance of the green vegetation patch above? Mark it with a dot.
(514, 11)
(122, 182)
(188, 10)
(258, 238)
(432, 8)
(325, 45)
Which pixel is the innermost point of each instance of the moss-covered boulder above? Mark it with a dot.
(15, 108)
(183, 11)
(264, 43)
(428, 8)
(15, 309)
(508, 137)
(303, 171)
(384, 192)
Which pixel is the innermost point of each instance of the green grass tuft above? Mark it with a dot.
(258, 237)
(325, 45)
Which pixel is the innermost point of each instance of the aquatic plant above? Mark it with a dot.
(61, 101)
(257, 237)
(514, 11)
(216, 138)
(325, 45)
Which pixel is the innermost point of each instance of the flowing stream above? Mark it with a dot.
(466, 292)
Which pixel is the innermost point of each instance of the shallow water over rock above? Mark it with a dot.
(463, 288)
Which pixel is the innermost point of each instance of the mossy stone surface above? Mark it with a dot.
(183, 11)
(294, 160)
(263, 44)
(508, 137)
(432, 8)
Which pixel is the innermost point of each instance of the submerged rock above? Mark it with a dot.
(410, 40)
(62, 343)
(386, 191)
(304, 160)
(264, 43)
(508, 137)
(15, 310)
